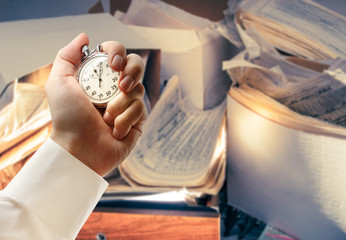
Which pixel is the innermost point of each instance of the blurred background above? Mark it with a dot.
(11, 10)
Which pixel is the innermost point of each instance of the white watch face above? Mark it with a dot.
(98, 80)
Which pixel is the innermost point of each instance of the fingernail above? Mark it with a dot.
(107, 118)
(126, 83)
(117, 62)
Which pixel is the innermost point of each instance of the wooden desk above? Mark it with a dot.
(140, 224)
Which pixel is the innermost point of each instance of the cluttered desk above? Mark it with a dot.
(247, 116)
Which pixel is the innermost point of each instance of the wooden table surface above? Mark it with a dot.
(139, 226)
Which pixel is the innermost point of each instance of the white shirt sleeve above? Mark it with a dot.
(50, 198)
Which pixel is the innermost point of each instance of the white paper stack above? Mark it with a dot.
(285, 118)
(191, 48)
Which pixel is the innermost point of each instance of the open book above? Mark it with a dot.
(181, 147)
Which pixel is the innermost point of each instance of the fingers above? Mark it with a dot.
(132, 73)
(121, 102)
(116, 54)
(131, 66)
(132, 117)
(61, 81)
(125, 111)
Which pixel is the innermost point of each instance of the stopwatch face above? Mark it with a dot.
(98, 80)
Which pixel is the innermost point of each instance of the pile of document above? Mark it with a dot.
(190, 48)
(299, 27)
(183, 143)
(278, 69)
(286, 112)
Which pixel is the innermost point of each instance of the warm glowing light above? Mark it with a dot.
(182, 195)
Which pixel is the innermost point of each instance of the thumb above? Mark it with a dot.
(69, 56)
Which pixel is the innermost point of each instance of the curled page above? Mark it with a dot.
(297, 27)
(318, 94)
(178, 144)
(25, 122)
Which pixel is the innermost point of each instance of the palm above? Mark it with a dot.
(83, 123)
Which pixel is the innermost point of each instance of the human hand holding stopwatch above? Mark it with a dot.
(101, 142)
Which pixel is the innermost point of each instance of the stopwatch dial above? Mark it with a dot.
(98, 80)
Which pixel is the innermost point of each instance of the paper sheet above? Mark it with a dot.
(25, 120)
(178, 142)
(307, 22)
(158, 14)
(191, 49)
(318, 93)
(31, 44)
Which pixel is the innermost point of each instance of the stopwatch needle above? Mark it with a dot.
(100, 74)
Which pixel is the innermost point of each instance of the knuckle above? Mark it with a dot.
(140, 89)
(138, 106)
(121, 124)
(137, 64)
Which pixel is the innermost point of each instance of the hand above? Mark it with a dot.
(101, 142)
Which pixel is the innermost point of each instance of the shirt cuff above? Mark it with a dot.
(59, 188)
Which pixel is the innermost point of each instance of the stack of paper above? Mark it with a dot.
(286, 118)
(285, 170)
(191, 48)
(299, 27)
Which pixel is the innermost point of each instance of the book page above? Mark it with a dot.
(177, 144)
(25, 120)
(321, 95)
(271, 109)
(306, 17)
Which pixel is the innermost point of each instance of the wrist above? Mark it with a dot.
(78, 149)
